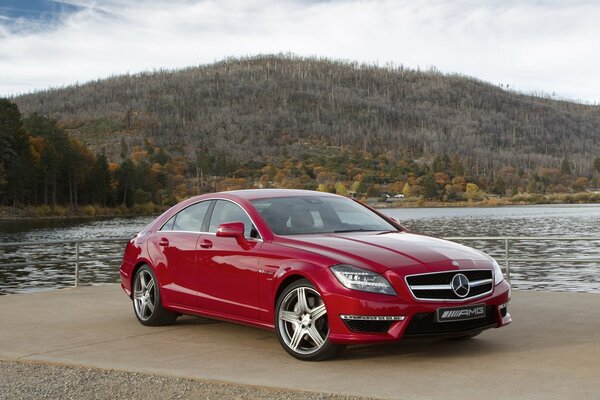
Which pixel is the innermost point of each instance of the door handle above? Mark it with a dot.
(205, 244)
(163, 242)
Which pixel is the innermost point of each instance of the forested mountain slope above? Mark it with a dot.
(269, 107)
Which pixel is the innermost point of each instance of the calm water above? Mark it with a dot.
(570, 220)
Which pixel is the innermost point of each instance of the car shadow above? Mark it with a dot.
(187, 320)
(424, 348)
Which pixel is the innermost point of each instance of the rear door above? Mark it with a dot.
(174, 252)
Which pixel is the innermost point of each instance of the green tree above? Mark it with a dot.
(429, 188)
(56, 159)
(126, 182)
(441, 163)
(15, 157)
(499, 186)
(457, 166)
(597, 164)
(565, 166)
(98, 182)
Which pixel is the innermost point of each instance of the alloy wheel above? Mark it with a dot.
(144, 295)
(302, 321)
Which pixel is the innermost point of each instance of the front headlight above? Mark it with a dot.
(361, 279)
(498, 276)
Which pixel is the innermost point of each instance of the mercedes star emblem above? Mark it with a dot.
(460, 285)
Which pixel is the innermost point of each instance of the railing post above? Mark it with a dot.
(76, 264)
(506, 260)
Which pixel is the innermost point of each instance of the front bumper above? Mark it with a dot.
(408, 317)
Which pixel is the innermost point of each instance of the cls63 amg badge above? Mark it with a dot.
(460, 313)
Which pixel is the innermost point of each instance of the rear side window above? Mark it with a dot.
(189, 219)
(169, 225)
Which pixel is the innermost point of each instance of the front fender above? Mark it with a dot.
(277, 271)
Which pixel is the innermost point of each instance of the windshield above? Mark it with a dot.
(310, 214)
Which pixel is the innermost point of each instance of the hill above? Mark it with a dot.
(266, 107)
(281, 121)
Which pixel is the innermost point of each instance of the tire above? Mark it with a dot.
(301, 323)
(147, 303)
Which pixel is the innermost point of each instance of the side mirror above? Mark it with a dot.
(233, 230)
(397, 222)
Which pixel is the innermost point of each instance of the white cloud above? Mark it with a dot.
(549, 46)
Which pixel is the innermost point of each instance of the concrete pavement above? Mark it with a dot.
(551, 351)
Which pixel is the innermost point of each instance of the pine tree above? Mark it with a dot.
(14, 154)
(126, 177)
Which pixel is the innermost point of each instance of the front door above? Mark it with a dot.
(228, 273)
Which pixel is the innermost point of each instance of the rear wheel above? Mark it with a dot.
(147, 302)
(301, 323)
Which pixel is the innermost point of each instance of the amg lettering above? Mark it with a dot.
(466, 313)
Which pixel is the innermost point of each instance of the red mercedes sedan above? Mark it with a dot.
(322, 270)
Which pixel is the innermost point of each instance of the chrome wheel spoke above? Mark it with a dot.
(150, 285)
(138, 295)
(318, 312)
(289, 316)
(143, 280)
(143, 308)
(315, 336)
(138, 306)
(302, 303)
(296, 338)
(150, 305)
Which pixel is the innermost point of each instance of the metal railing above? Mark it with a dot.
(508, 239)
(77, 260)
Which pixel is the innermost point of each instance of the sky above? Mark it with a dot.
(543, 47)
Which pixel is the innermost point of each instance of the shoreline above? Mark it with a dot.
(467, 204)
(42, 213)
(72, 217)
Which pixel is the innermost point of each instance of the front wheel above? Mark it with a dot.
(147, 302)
(301, 323)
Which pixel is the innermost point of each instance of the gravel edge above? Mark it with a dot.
(36, 380)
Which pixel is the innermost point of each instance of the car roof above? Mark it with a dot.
(253, 194)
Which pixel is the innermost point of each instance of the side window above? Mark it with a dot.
(190, 218)
(169, 225)
(226, 211)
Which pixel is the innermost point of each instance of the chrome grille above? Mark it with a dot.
(438, 285)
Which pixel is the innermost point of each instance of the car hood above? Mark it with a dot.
(392, 250)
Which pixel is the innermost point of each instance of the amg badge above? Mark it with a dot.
(460, 313)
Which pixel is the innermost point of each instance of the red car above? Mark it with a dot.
(322, 270)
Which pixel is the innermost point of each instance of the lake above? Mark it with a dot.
(548, 220)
